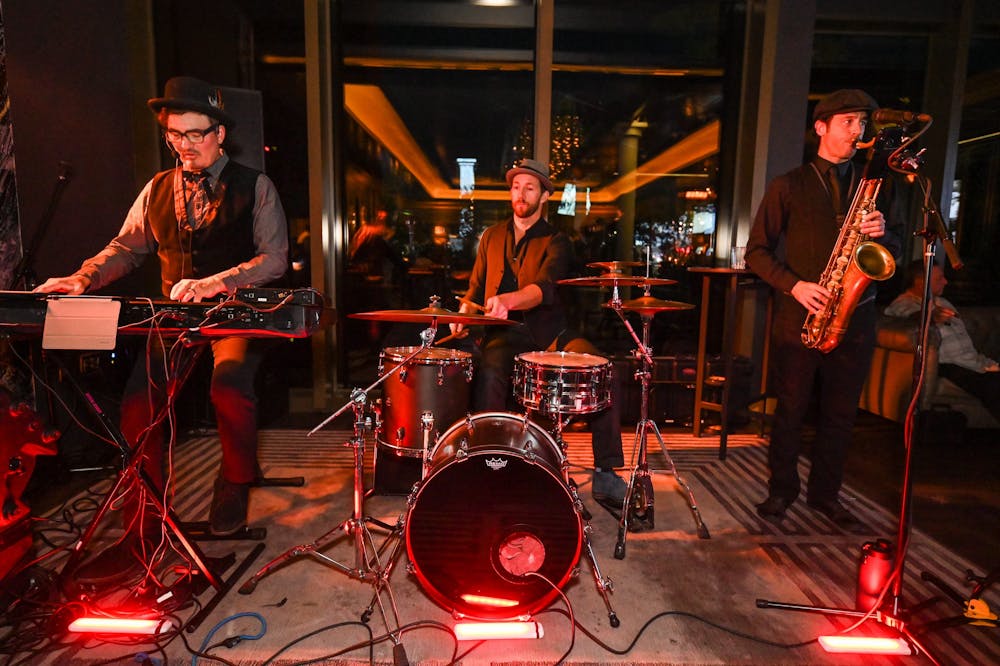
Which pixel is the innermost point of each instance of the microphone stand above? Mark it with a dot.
(24, 271)
(888, 608)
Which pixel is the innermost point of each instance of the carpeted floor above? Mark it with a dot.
(680, 599)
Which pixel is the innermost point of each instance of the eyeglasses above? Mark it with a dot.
(193, 136)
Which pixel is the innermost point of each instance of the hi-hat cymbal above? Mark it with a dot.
(615, 266)
(431, 314)
(617, 280)
(647, 305)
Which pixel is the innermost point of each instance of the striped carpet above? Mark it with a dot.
(820, 558)
(806, 550)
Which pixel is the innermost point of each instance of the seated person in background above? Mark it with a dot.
(958, 359)
(518, 266)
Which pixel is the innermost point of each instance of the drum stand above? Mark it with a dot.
(371, 564)
(637, 508)
(603, 584)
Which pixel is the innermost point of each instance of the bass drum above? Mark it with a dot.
(494, 509)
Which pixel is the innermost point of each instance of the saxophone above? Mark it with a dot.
(854, 264)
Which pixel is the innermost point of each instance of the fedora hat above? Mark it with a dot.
(186, 93)
(534, 168)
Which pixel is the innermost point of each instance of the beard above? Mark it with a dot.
(524, 209)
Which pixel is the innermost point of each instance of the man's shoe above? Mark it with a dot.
(837, 514)
(119, 562)
(608, 489)
(773, 508)
(229, 507)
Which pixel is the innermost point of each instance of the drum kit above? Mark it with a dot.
(494, 526)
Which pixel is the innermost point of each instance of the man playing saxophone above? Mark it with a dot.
(794, 233)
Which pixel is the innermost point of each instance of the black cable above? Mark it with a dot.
(319, 631)
(684, 614)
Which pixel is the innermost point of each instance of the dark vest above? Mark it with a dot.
(224, 243)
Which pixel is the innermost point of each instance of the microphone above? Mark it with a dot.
(897, 117)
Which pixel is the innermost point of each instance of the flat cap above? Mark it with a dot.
(844, 101)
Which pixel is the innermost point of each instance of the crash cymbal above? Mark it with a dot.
(615, 266)
(431, 314)
(617, 280)
(647, 305)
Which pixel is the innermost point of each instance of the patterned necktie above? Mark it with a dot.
(199, 196)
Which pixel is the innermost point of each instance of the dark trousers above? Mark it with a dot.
(492, 386)
(838, 378)
(983, 385)
(235, 363)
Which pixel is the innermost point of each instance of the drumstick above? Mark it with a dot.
(454, 336)
(472, 303)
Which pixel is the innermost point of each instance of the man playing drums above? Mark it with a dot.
(518, 265)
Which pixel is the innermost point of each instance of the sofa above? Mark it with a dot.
(888, 389)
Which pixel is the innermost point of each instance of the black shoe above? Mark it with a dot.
(230, 501)
(608, 489)
(837, 514)
(773, 508)
(117, 563)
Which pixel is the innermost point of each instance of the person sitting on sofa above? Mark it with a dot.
(958, 359)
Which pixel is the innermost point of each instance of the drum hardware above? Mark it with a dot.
(372, 564)
(637, 509)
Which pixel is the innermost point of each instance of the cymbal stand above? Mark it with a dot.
(371, 564)
(637, 508)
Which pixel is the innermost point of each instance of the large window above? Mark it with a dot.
(440, 102)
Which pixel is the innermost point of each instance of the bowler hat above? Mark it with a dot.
(186, 93)
(844, 101)
(534, 168)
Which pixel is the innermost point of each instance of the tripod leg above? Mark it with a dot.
(639, 455)
(294, 552)
(381, 582)
(604, 585)
(702, 529)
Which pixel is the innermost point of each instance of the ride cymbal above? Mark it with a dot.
(647, 305)
(615, 266)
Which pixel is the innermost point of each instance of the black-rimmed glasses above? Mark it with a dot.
(193, 136)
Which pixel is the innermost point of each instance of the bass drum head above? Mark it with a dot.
(481, 523)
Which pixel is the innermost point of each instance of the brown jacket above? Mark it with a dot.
(543, 260)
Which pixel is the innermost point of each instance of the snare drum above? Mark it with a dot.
(562, 382)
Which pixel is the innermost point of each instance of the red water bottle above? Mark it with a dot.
(873, 572)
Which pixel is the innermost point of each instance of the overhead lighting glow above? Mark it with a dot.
(496, 3)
